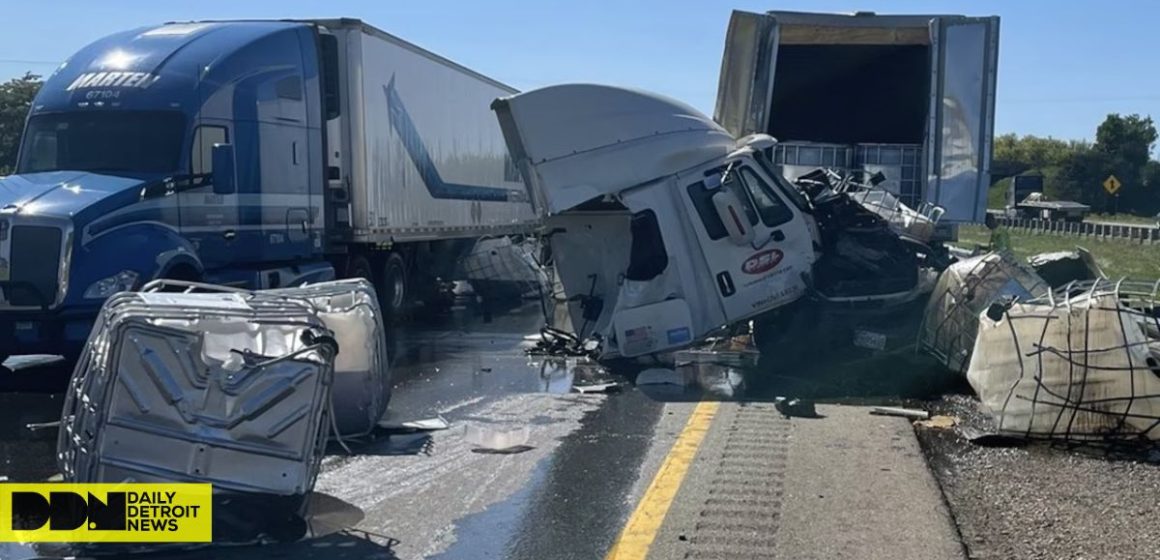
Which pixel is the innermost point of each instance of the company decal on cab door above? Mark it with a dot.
(761, 262)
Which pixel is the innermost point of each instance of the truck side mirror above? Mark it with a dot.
(732, 215)
(877, 178)
(224, 174)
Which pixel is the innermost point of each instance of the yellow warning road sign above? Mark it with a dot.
(1111, 184)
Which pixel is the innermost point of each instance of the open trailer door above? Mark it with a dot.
(745, 87)
(963, 71)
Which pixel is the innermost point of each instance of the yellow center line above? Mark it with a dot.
(641, 529)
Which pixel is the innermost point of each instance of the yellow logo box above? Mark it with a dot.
(106, 513)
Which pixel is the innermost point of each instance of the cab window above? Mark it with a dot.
(770, 207)
(201, 151)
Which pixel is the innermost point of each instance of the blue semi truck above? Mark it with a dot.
(258, 154)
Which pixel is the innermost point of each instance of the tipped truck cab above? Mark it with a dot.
(663, 226)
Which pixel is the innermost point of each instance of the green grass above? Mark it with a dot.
(1122, 218)
(1118, 259)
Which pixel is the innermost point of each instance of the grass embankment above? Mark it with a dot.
(1117, 258)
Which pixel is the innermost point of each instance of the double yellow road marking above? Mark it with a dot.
(638, 534)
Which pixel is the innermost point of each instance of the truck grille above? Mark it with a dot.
(34, 264)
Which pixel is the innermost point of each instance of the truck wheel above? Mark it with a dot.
(360, 267)
(393, 292)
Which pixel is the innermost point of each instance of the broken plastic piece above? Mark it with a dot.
(898, 411)
(597, 388)
(496, 439)
(425, 425)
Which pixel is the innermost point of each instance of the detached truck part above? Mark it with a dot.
(912, 96)
(248, 153)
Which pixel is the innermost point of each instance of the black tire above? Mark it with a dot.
(393, 290)
(360, 267)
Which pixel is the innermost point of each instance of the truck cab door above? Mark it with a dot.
(757, 246)
(963, 67)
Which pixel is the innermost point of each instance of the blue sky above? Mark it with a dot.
(1063, 64)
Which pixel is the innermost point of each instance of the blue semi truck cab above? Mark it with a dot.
(194, 151)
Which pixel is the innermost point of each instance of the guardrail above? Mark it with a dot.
(1142, 234)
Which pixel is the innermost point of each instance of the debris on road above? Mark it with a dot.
(913, 414)
(228, 387)
(964, 290)
(496, 438)
(795, 408)
(1076, 364)
(1061, 267)
(37, 426)
(939, 421)
(424, 425)
(597, 388)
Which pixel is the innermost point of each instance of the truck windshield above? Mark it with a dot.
(792, 193)
(104, 141)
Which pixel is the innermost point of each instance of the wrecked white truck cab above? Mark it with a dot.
(663, 226)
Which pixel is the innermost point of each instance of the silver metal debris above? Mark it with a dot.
(1078, 364)
(913, 414)
(362, 382)
(230, 388)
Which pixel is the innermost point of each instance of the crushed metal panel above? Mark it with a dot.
(965, 290)
(1073, 365)
(230, 389)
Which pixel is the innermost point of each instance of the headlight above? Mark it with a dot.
(120, 282)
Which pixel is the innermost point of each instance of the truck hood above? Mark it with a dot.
(60, 193)
(577, 142)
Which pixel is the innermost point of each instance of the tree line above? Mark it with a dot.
(1076, 170)
(15, 101)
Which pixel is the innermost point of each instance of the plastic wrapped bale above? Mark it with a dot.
(224, 388)
(964, 290)
(362, 382)
(1074, 365)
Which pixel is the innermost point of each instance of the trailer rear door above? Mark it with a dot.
(963, 69)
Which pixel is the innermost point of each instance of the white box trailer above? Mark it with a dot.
(418, 151)
(912, 96)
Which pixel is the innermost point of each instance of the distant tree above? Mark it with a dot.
(1126, 143)
(1129, 138)
(1013, 155)
(1079, 177)
(15, 99)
